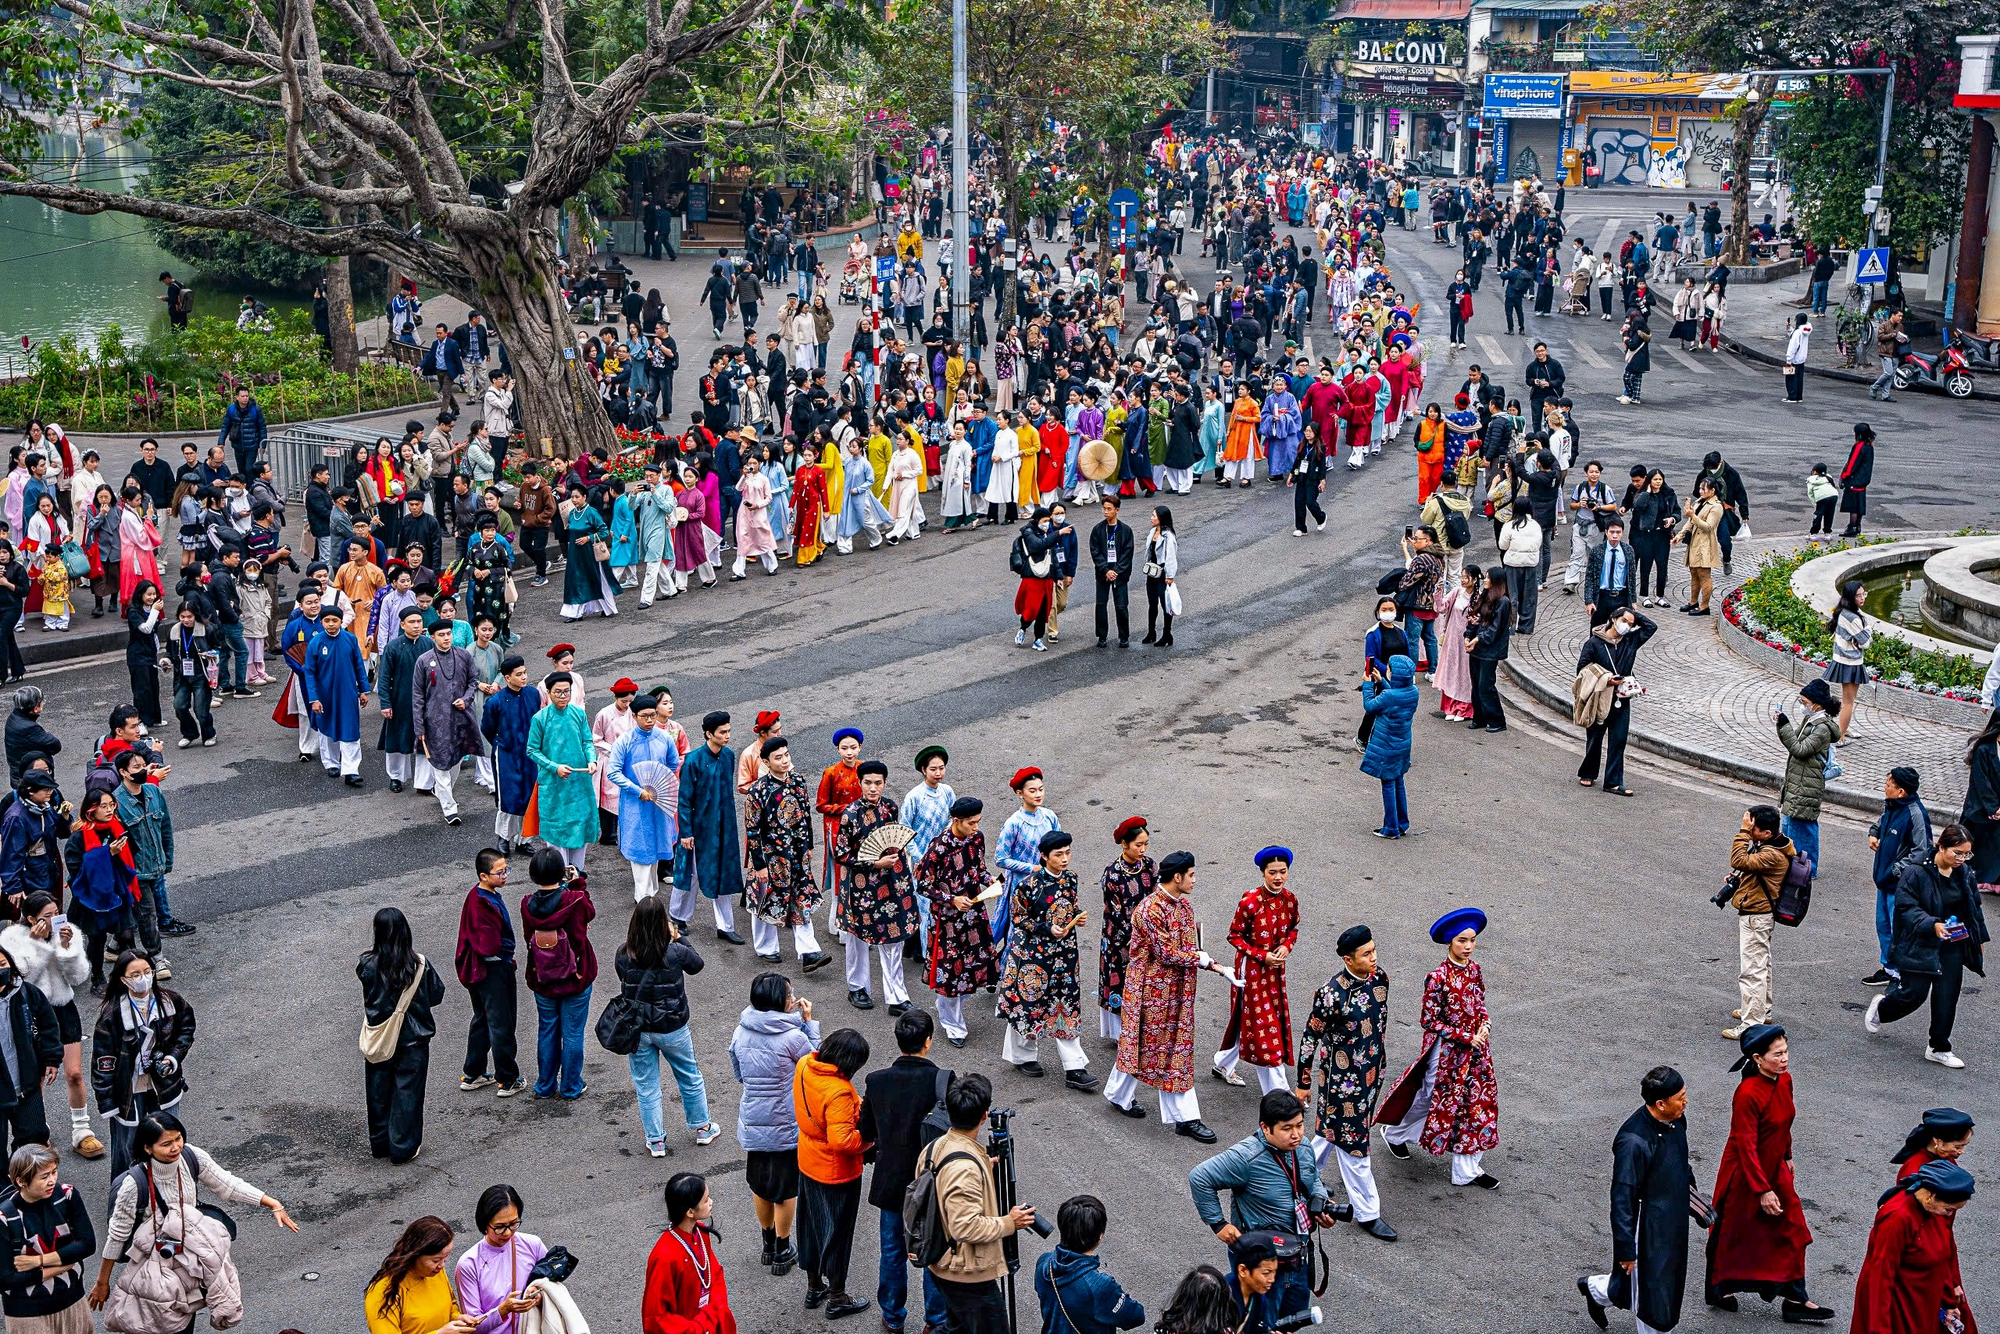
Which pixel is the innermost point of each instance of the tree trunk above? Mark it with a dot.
(340, 314)
(1748, 122)
(514, 281)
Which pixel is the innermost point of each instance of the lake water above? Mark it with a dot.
(66, 273)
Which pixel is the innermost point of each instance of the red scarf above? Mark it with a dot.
(98, 835)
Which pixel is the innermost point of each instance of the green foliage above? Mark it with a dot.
(181, 381)
(206, 146)
(1829, 145)
(1783, 615)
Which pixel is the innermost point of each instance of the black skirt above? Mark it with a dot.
(773, 1175)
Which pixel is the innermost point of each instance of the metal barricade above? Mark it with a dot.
(295, 449)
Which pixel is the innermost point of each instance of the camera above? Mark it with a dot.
(1722, 897)
(1297, 1320)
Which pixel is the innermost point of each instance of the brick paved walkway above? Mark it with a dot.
(1704, 700)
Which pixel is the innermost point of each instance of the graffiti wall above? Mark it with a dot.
(1624, 150)
(1704, 147)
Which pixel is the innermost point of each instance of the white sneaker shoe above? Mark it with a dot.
(1872, 1021)
(1949, 1060)
(1020, 638)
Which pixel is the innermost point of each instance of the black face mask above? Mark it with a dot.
(6, 979)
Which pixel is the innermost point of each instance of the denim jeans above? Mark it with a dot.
(1805, 837)
(1418, 629)
(677, 1050)
(559, 1037)
(1885, 921)
(892, 1286)
(191, 697)
(1395, 807)
(235, 655)
(1886, 381)
(1819, 298)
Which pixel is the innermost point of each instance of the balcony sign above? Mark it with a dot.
(1524, 96)
(1401, 51)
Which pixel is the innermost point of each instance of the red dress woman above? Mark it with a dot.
(1759, 1241)
(1909, 1282)
(1942, 1137)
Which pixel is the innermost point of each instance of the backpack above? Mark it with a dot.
(550, 955)
(937, 1120)
(184, 301)
(923, 1213)
(1457, 531)
(1795, 895)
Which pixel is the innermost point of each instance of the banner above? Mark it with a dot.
(1524, 96)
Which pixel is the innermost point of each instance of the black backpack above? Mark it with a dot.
(923, 1213)
(1457, 530)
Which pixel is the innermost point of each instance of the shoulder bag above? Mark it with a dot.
(378, 1041)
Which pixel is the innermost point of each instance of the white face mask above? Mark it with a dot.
(139, 985)
(1622, 627)
(1386, 617)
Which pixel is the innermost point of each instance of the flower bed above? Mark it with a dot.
(1766, 609)
(182, 381)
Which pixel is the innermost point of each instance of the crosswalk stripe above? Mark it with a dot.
(1740, 367)
(1493, 350)
(1687, 361)
(1605, 236)
(1591, 358)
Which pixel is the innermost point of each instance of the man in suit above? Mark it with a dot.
(445, 362)
(1111, 553)
(1607, 581)
(894, 1103)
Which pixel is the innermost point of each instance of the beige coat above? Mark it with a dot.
(971, 1207)
(1704, 548)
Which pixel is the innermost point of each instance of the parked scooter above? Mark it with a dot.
(1981, 354)
(1947, 371)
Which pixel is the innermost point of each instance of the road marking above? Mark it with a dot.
(1493, 350)
(1309, 350)
(1741, 368)
(1604, 238)
(1583, 350)
(1687, 361)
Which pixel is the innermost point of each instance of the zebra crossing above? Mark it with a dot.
(1494, 353)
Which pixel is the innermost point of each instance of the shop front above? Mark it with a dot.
(1522, 119)
(1668, 131)
(1402, 81)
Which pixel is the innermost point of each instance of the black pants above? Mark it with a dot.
(1305, 500)
(25, 1120)
(1942, 987)
(1156, 607)
(1823, 515)
(973, 1308)
(1604, 299)
(11, 666)
(1652, 549)
(395, 1090)
(1795, 385)
(826, 1231)
(1608, 739)
(536, 540)
(1607, 604)
(1537, 404)
(1121, 596)
(1514, 312)
(1486, 709)
(144, 668)
(993, 508)
(1457, 326)
(492, 1029)
(106, 927)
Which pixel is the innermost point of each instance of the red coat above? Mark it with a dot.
(1910, 1269)
(1322, 403)
(1260, 1018)
(673, 1300)
(1054, 456)
(1361, 400)
(1748, 1245)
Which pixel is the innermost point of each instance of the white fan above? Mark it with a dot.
(665, 782)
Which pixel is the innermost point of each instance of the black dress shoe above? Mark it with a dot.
(782, 1259)
(1080, 1080)
(1591, 1305)
(817, 959)
(816, 1298)
(1032, 1069)
(395, 785)
(353, 780)
(1135, 1111)
(772, 958)
(1379, 1229)
(844, 1305)
(899, 1008)
(1195, 1131)
(730, 936)
(956, 1042)
(1399, 1151)
(859, 998)
(1726, 1302)
(1486, 1181)
(1798, 1313)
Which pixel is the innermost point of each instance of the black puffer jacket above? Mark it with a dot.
(378, 1002)
(659, 994)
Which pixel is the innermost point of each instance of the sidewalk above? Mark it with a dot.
(1706, 706)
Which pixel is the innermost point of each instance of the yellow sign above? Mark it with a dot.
(1623, 83)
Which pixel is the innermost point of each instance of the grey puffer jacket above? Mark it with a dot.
(763, 1053)
(1806, 744)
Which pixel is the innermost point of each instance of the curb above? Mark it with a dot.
(41, 649)
(1850, 377)
(1748, 771)
(201, 434)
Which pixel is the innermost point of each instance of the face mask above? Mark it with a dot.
(1386, 617)
(139, 985)
(6, 979)
(1621, 628)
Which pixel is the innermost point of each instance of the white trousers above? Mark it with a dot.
(1177, 480)
(482, 771)
(769, 560)
(414, 769)
(309, 740)
(1122, 1090)
(1357, 1174)
(1086, 492)
(645, 879)
(1109, 1025)
(659, 581)
(1600, 1292)
(342, 755)
(845, 545)
(911, 524)
(951, 1016)
(764, 937)
(1270, 1078)
(1465, 1167)
(1240, 470)
(572, 856)
(893, 990)
(1016, 1049)
(441, 781)
(680, 907)
(506, 827)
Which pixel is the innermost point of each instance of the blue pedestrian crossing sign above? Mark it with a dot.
(1872, 266)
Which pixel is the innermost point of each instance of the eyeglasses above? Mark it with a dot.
(514, 1226)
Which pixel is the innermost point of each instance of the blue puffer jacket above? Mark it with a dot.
(763, 1054)
(1091, 1299)
(1393, 705)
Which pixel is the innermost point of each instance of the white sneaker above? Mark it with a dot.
(1949, 1060)
(1020, 638)
(1623, 399)
(1872, 1021)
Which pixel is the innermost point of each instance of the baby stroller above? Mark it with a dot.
(853, 277)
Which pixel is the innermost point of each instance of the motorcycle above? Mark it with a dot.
(1981, 354)
(1947, 371)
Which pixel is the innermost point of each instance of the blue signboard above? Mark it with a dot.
(1503, 142)
(1124, 209)
(1872, 266)
(1524, 96)
(885, 268)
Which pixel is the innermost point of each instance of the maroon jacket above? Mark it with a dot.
(483, 934)
(571, 915)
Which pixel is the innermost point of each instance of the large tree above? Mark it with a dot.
(389, 113)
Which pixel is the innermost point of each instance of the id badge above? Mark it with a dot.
(187, 667)
(1303, 1215)
(702, 1302)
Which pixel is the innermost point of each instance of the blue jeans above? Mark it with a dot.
(560, 1036)
(677, 1049)
(1819, 298)
(1417, 629)
(228, 676)
(1290, 1294)
(1805, 837)
(1884, 383)
(1885, 922)
(892, 1286)
(1395, 807)
(166, 910)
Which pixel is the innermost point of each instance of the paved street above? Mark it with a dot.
(1604, 957)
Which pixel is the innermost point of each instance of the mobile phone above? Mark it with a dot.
(1408, 531)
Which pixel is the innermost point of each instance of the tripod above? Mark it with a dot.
(1000, 1147)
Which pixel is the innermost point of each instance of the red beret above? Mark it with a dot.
(765, 718)
(1021, 777)
(561, 649)
(624, 685)
(1130, 825)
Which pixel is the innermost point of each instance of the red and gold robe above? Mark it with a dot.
(1156, 1039)
(1260, 1018)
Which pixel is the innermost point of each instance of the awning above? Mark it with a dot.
(1540, 8)
(1405, 10)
